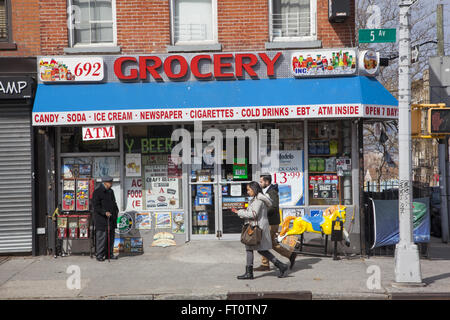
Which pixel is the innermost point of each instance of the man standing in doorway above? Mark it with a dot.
(105, 217)
(273, 214)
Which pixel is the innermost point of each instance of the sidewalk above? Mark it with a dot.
(205, 270)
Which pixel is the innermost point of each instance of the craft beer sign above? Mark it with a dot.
(63, 69)
(98, 133)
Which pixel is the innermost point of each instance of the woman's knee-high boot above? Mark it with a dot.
(248, 273)
(282, 267)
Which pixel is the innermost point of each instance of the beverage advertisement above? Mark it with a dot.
(161, 191)
(288, 175)
(323, 63)
(64, 69)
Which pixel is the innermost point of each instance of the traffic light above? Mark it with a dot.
(439, 121)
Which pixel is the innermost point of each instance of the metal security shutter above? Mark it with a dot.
(15, 179)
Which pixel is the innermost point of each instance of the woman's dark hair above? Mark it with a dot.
(255, 187)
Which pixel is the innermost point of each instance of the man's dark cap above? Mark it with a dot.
(107, 179)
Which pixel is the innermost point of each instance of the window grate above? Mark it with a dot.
(3, 21)
(292, 18)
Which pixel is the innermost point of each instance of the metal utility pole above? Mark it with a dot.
(443, 143)
(440, 30)
(407, 263)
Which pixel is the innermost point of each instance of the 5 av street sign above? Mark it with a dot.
(377, 35)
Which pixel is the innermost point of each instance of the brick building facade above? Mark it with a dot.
(40, 27)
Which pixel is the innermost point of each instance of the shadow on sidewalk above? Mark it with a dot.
(431, 280)
(300, 264)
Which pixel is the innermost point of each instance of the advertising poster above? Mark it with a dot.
(118, 245)
(178, 222)
(68, 171)
(204, 195)
(163, 220)
(323, 63)
(292, 212)
(160, 190)
(133, 194)
(133, 164)
(84, 171)
(235, 190)
(137, 245)
(289, 175)
(143, 220)
(106, 166)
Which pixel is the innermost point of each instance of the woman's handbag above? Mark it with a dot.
(251, 235)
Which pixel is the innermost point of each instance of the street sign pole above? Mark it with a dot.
(407, 263)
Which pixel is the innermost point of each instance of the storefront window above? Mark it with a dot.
(289, 172)
(152, 179)
(329, 162)
(72, 142)
(80, 176)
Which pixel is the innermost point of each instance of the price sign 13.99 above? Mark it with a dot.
(63, 69)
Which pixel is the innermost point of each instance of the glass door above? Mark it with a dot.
(216, 188)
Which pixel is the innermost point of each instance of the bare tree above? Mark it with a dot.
(423, 32)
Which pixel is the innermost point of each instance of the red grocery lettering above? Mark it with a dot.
(195, 69)
(168, 67)
(118, 69)
(246, 66)
(219, 65)
(270, 63)
(145, 68)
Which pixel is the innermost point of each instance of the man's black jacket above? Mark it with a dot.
(104, 201)
(273, 213)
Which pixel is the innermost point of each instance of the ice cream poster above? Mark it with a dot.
(323, 63)
(178, 222)
(133, 164)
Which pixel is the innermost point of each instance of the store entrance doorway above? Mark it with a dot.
(217, 187)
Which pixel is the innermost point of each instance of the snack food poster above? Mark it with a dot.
(287, 170)
(143, 220)
(133, 164)
(163, 220)
(161, 192)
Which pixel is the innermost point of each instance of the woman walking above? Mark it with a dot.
(256, 213)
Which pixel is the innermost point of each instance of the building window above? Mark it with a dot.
(93, 22)
(293, 20)
(5, 25)
(194, 21)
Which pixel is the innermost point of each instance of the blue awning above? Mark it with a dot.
(66, 98)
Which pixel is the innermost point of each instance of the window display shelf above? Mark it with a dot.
(322, 172)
